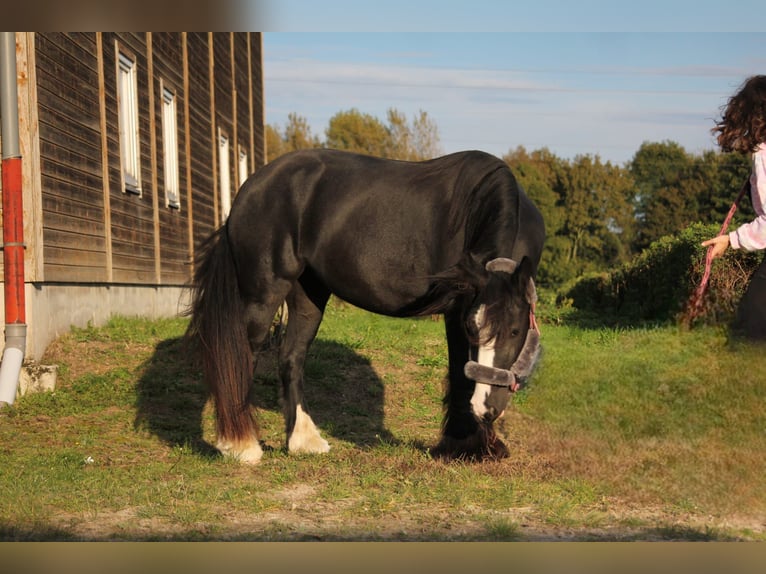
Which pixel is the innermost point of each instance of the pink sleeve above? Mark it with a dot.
(752, 236)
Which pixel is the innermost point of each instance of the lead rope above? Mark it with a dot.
(532, 320)
(694, 307)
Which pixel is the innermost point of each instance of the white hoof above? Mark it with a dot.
(308, 444)
(245, 452)
(305, 436)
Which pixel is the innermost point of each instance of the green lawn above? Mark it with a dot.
(623, 434)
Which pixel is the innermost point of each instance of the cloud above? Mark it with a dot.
(496, 110)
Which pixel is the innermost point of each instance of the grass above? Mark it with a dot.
(647, 433)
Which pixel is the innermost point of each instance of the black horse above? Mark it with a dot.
(454, 235)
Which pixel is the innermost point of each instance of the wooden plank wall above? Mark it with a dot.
(202, 161)
(173, 223)
(89, 221)
(72, 196)
(258, 138)
(132, 216)
(224, 104)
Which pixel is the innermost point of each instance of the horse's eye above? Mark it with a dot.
(515, 332)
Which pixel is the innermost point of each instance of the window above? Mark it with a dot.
(242, 165)
(224, 174)
(170, 149)
(127, 106)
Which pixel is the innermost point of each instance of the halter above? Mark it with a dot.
(520, 369)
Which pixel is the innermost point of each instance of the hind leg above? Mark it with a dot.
(242, 443)
(305, 303)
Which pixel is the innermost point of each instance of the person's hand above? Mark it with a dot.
(720, 244)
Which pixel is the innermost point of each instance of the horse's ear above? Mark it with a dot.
(526, 279)
(523, 272)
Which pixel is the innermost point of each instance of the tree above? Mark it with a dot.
(275, 146)
(723, 175)
(422, 136)
(665, 194)
(538, 174)
(297, 135)
(587, 208)
(353, 130)
(597, 212)
(676, 189)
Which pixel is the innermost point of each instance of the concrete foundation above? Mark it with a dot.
(36, 378)
(53, 309)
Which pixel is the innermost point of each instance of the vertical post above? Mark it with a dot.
(104, 157)
(213, 130)
(153, 148)
(187, 150)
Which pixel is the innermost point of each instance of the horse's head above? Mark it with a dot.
(503, 335)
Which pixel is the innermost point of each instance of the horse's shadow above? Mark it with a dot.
(345, 396)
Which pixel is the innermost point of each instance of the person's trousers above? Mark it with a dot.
(750, 321)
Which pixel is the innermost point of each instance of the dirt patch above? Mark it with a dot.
(328, 522)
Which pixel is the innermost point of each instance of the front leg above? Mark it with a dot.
(304, 317)
(463, 436)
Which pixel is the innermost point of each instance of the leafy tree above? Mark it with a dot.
(353, 130)
(598, 212)
(416, 141)
(723, 174)
(666, 190)
(676, 189)
(275, 146)
(538, 173)
(296, 135)
(359, 132)
(587, 208)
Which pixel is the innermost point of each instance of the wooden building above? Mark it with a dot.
(132, 145)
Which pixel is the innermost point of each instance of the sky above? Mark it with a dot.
(587, 77)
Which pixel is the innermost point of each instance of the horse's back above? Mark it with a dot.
(373, 230)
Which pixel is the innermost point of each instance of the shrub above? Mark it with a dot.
(657, 284)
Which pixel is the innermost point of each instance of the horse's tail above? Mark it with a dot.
(217, 329)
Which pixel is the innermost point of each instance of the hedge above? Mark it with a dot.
(657, 284)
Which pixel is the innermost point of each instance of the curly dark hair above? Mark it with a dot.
(742, 126)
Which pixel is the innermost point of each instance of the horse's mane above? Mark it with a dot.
(479, 175)
(501, 298)
(485, 209)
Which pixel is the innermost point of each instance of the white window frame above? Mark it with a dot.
(127, 110)
(170, 148)
(242, 165)
(224, 174)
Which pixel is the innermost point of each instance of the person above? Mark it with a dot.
(742, 128)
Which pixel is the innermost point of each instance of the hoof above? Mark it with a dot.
(308, 444)
(305, 436)
(484, 444)
(245, 452)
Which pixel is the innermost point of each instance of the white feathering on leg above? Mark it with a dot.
(305, 436)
